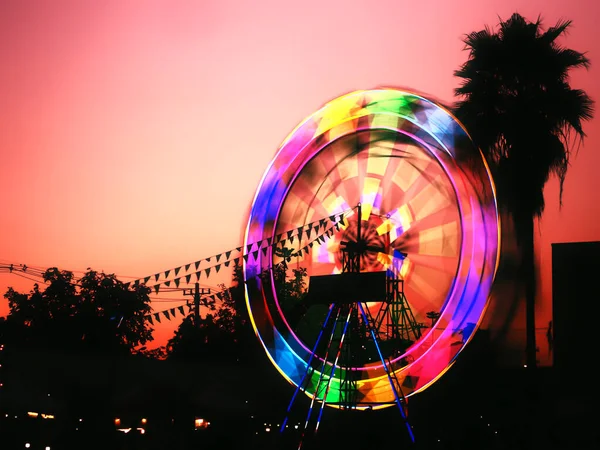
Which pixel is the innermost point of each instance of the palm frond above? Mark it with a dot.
(556, 31)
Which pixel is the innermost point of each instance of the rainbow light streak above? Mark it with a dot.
(445, 141)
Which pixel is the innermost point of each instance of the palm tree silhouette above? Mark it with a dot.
(516, 102)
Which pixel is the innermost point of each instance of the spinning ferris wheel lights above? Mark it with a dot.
(420, 222)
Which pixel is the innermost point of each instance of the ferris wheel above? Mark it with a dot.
(398, 289)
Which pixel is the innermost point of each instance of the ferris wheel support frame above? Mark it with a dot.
(347, 313)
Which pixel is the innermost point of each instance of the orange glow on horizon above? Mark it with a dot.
(133, 139)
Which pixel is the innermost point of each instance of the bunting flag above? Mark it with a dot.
(286, 237)
(172, 310)
(157, 317)
(150, 319)
(180, 308)
(166, 313)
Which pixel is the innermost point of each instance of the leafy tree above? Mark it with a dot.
(195, 341)
(228, 334)
(97, 313)
(217, 335)
(516, 102)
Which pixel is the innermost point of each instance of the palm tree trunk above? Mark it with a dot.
(528, 278)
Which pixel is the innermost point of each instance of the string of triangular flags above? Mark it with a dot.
(167, 313)
(193, 270)
(210, 299)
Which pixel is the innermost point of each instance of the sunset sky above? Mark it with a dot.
(133, 135)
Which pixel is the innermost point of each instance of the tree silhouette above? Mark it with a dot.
(516, 102)
(97, 313)
(219, 334)
(227, 333)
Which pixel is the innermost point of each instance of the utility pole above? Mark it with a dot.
(197, 292)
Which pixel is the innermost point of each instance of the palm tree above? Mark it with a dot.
(516, 102)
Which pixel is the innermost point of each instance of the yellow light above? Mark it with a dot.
(117, 421)
(144, 420)
(201, 423)
(32, 414)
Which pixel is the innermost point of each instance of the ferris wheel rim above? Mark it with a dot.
(287, 142)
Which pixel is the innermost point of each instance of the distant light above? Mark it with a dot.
(267, 429)
(48, 448)
(141, 430)
(525, 365)
(27, 445)
(296, 427)
(81, 420)
(32, 414)
(117, 421)
(144, 420)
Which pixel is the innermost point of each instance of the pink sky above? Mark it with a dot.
(134, 134)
